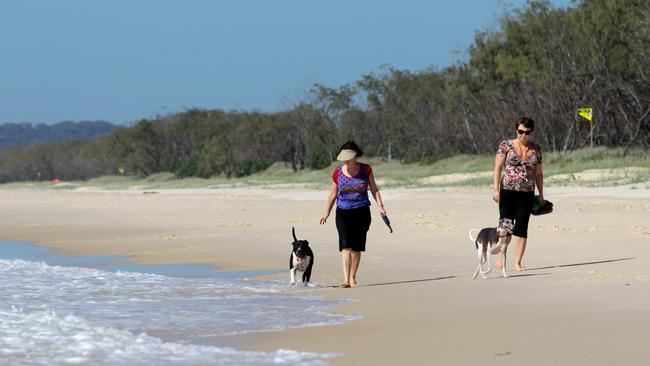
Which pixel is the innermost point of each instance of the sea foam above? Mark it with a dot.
(72, 315)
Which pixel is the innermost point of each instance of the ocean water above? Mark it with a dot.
(63, 315)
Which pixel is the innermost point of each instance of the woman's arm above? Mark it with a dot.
(375, 193)
(496, 177)
(539, 181)
(331, 198)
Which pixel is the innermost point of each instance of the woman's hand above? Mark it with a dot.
(496, 195)
(323, 219)
(540, 198)
(382, 210)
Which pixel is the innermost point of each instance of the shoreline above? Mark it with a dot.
(416, 289)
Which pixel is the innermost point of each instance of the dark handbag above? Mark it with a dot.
(541, 208)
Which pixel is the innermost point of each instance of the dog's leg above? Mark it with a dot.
(482, 259)
(483, 273)
(479, 268)
(503, 258)
(306, 276)
(293, 276)
(488, 259)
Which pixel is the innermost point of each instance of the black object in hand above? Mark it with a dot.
(541, 208)
(386, 221)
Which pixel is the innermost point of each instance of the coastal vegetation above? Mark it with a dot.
(543, 62)
(598, 167)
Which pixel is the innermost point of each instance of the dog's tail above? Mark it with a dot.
(293, 232)
(470, 236)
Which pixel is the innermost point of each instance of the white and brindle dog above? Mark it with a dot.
(491, 241)
(300, 260)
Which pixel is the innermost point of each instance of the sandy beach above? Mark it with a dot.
(584, 299)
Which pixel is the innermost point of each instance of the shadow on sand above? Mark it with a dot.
(581, 264)
(408, 281)
(525, 274)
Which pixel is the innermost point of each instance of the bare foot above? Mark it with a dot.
(353, 283)
(345, 285)
(519, 268)
(499, 263)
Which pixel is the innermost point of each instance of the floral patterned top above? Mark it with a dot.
(519, 175)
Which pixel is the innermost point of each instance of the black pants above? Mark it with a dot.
(517, 206)
(353, 225)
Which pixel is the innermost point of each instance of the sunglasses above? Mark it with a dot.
(522, 132)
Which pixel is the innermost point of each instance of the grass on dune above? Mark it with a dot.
(586, 167)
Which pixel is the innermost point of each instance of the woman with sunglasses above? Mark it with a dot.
(515, 190)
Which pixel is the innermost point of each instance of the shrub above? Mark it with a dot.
(251, 166)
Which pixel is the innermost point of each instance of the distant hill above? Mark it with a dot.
(12, 134)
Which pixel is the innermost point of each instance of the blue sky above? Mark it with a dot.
(123, 60)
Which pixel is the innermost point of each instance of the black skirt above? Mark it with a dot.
(353, 225)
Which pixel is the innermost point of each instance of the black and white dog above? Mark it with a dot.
(301, 259)
(491, 241)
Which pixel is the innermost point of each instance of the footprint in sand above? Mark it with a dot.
(641, 230)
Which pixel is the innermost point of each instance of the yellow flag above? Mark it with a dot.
(585, 112)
